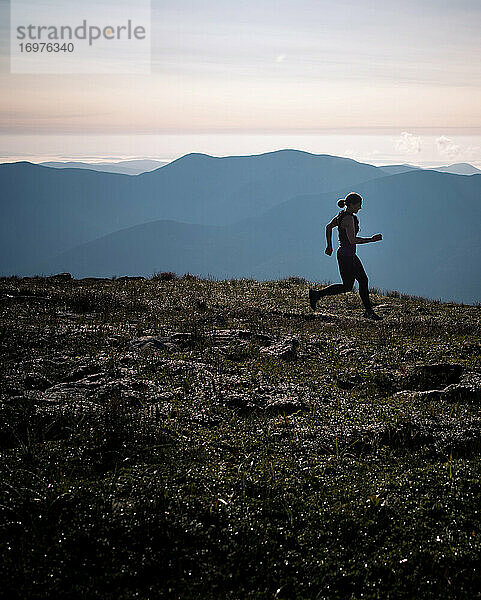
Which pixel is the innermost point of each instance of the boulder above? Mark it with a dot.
(34, 381)
(61, 277)
(432, 376)
(284, 406)
(285, 349)
(153, 342)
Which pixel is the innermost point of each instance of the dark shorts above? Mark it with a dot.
(350, 268)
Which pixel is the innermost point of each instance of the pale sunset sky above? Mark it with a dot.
(381, 82)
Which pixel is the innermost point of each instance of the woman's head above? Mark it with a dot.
(350, 200)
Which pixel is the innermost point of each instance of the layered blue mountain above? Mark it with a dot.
(46, 211)
(429, 221)
(459, 169)
(258, 216)
(455, 169)
(395, 169)
(127, 167)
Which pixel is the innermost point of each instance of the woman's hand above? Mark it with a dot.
(328, 250)
(376, 238)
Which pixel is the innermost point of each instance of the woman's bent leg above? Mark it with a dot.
(332, 290)
(360, 275)
(346, 269)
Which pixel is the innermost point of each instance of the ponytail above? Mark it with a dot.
(351, 198)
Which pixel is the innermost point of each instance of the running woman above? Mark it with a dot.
(350, 267)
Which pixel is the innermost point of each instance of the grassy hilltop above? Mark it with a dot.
(186, 438)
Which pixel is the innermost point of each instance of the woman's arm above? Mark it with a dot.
(351, 233)
(329, 227)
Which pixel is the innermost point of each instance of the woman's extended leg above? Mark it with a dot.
(348, 274)
(350, 268)
(346, 268)
(360, 275)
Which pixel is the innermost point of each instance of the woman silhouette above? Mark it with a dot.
(350, 267)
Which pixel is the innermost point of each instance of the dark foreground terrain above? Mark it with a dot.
(184, 438)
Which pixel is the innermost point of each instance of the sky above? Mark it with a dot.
(401, 78)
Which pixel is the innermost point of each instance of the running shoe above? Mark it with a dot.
(314, 296)
(370, 314)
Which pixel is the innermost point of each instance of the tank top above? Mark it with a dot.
(345, 246)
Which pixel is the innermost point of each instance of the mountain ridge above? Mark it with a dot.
(289, 240)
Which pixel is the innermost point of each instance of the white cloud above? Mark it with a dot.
(408, 143)
(449, 149)
(473, 154)
(446, 147)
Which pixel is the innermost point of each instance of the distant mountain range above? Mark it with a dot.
(51, 210)
(127, 167)
(259, 216)
(395, 169)
(459, 169)
(455, 169)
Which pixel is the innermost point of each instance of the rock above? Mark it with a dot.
(115, 340)
(385, 306)
(182, 339)
(68, 393)
(93, 279)
(348, 351)
(348, 381)
(285, 349)
(461, 392)
(284, 406)
(424, 395)
(71, 316)
(238, 352)
(83, 371)
(228, 336)
(114, 389)
(150, 341)
(34, 381)
(434, 376)
(452, 393)
(61, 277)
(93, 388)
(130, 278)
(176, 341)
(238, 400)
(222, 338)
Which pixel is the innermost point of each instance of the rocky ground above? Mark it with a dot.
(180, 437)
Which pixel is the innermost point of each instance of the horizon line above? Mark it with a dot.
(463, 129)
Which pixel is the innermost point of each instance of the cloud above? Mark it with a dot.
(446, 147)
(452, 151)
(281, 58)
(407, 143)
(473, 155)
